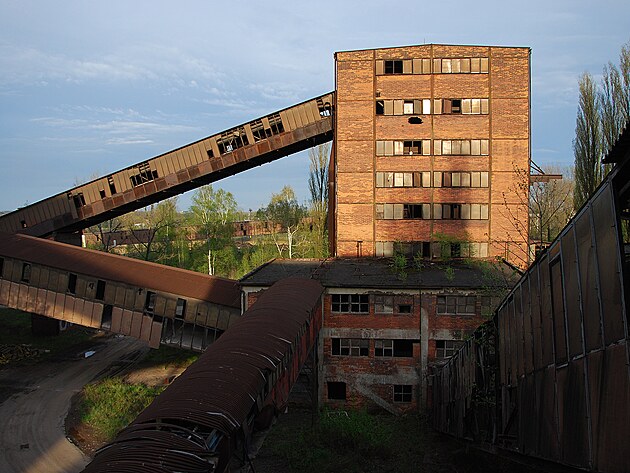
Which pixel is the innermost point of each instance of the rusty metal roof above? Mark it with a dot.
(121, 268)
(219, 391)
(378, 273)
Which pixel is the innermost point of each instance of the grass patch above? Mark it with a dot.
(355, 441)
(110, 405)
(15, 329)
(169, 356)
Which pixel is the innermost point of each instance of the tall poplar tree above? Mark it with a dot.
(587, 145)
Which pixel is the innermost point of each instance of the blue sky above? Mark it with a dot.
(87, 87)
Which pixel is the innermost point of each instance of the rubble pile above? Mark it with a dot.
(12, 353)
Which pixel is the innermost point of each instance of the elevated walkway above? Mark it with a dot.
(215, 157)
(155, 303)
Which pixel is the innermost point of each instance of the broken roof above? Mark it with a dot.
(380, 273)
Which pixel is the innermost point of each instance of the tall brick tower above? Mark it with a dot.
(432, 152)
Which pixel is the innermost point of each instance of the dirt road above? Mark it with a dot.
(32, 436)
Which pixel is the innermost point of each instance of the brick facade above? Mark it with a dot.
(501, 79)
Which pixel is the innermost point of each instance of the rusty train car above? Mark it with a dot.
(212, 158)
(155, 303)
(550, 376)
(206, 417)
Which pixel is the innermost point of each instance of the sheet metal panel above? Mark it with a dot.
(136, 324)
(125, 323)
(614, 414)
(40, 303)
(117, 316)
(519, 335)
(558, 312)
(60, 306)
(145, 330)
(595, 369)
(548, 443)
(5, 288)
(23, 297)
(97, 315)
(31, 302)
(572, 293)
(573, 414)
(607, 257)
(156, 334)
(49, 310)
(528, 331)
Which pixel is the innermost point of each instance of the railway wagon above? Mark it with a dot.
(206, 417)
(562, 383)
(212, 158)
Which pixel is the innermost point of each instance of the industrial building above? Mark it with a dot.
(432, 143)
(382, 326)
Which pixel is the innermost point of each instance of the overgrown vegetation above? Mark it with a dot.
(111, 404)
(353, 441)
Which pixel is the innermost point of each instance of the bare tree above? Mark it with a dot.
(550, 205)
(152, 228)
(318, 176)
(104, 233)
(587, 145)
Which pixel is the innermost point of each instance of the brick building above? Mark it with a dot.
(381, 328)
(432, 143)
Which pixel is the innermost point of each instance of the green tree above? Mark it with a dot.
(587, 145)
(212, 212)
(284, 211)
(614, 98)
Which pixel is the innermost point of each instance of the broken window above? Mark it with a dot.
(393, 66)
(403, 392)
(383, 304)
(325, 109)
(275, 123)
(101, 193)
(412, 147)
(145, 174)
(259, 131)
(404, 308)
(384, 348)
(1, 266)
(393, 348)
(232, 139)
(26, 273)
(112, 185)
(336, 390)
(355, 303)
(106, 319)
(350, 346)
(100, 290)
(180, 308)
(78, 199)
(149, 302)
(456, 305)
(447, 348)
(72, 283)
